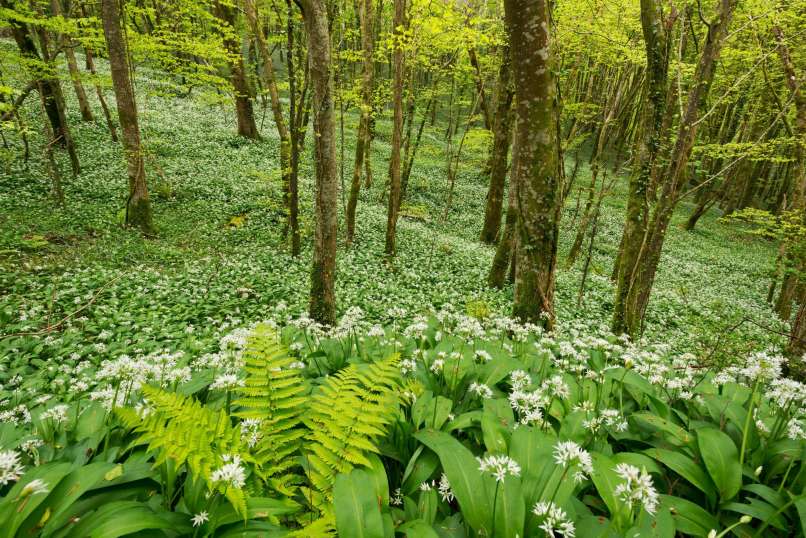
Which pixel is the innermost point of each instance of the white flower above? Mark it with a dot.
(425, 486)
(519, 379)
(554, 521)
(200, 518)
(397, 498)
(10, 467)
(445, 489)
(232, 472)
(483, 355)
(568, 453)
(499, 467)
(437, 365)
(637, 487)
(408, 365)
(57, 413)
(34, 487)
(227, 382)
(480, 389)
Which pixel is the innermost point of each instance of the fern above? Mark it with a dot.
(182, 429)
(274, 395)
(347, 415)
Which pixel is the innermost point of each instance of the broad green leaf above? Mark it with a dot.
(463, 473)
(674, 433)
(418, 529)
(722, 461)
(20, 501)
(356, 507)
(689, 518)
(420, 468)
(126, 517)
(685, 467)
(510, 509)
(61, 499)
(606, 480)
(759, 511)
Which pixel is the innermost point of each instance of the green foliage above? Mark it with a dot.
(274, 395)
(186, 432)
(347, 416)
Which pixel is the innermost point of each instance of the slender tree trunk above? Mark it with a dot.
(791, 282)
(270, 83)
(45, 85)
(397, 128)
(243, 104)
(138, 206)
(502, 133)
(362, 140)
(638, 205)
(90, 64)
(642, 274)
(535, 170)
(72, 67)
(323, 274)
(478, 78)
(506, 245)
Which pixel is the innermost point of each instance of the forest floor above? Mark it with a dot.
(219, 259)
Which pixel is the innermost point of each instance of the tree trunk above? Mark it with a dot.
(138, 206)
(791, 282)
(243, 104)
(45, 85)
(478, 78)
(90, 64)
(504, 251)
(362, 138)
(72, 67)
(502, 133)
(276, 107)
(637, 285)
(652, 116)
(397, 128)
(323, 274)
(535, 170)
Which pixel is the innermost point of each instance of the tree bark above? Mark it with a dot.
(535, 170)
(502, 133)
(270, 82)
(138, 206)
(638, 205)
(397, 128)
(72, 67)
(323, 274)
(637, 285)
(243, 104)
(362, 139)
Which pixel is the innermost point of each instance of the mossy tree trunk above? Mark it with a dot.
(497, 167)
(243, 103)
(138, 206)
(323, 274)
(635, 287)
(535, 170)
(366, 17)
(397, 128)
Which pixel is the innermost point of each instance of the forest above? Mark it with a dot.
(403, 268)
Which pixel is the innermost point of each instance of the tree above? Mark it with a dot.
(250, 9)
(397, 127)
(243, 104)
(72, 66)
(138, 205)
(638, 271)
(323, 274)
(535, 169)
(637, 214)
(502, 133)
(362, 137)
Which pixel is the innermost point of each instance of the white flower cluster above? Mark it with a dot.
(231, 474)
(499, 467)
(554, 520)
(10, 467)
(637, 488)
(569, 454)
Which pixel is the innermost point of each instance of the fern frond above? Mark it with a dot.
(346, 417)
(274, 394)
(181, 429)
